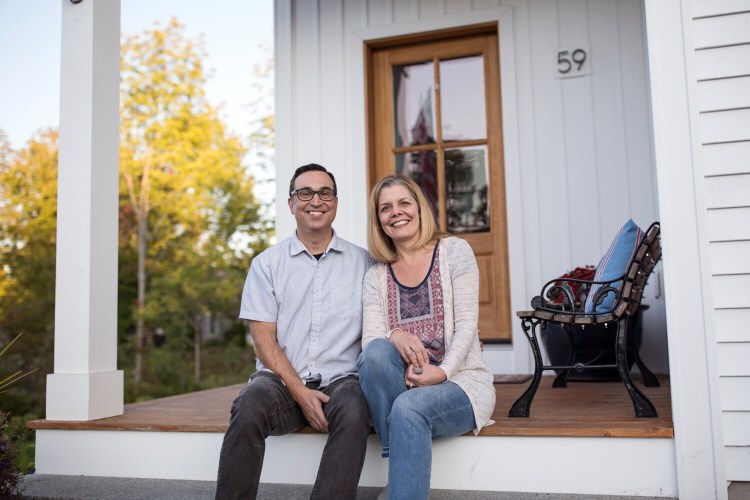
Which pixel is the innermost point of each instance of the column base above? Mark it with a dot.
(85, 396)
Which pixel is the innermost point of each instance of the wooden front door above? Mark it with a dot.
(434, 114)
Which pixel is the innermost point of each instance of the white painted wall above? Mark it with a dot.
(721, 34)
(578, 152)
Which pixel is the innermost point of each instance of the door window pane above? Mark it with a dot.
(466, 183)
(422, 167)
(413, 86)
(462, 99)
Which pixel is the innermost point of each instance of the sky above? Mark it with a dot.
(234, 31)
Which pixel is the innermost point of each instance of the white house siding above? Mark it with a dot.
(721, 32)
(578, 150)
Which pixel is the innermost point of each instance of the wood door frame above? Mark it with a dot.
(491, 248)
(517, 357)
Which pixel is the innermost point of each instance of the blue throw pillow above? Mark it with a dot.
(614, 264)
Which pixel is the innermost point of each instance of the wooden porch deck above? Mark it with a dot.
(583, 409)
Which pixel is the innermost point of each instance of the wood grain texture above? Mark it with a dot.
(583, 409)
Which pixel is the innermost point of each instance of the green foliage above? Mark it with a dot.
(10, 475)
(262, 144)
(169, 370)
(28, 209)
(15, 376)
(24, 438)
(13, 453)
(186, 196)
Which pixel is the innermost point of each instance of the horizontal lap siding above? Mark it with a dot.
(735, 393)
(729, 224)
(724, 94)
(725, 126)
(730, 257)
(723, 159)
(733, 358)
(737, 462)
(728, 191)
(721, 31)
(710, 8)
(736, 433)
(732, 291)
(732, 325)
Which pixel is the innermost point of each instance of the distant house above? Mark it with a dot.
(580, 116)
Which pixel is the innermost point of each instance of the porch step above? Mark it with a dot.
(583, 440)
(47, 486)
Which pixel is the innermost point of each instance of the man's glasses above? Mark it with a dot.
(307, 194)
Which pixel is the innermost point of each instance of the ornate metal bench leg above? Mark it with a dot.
(562, 378)
(649, 379)
(641, 404)
(523, 404)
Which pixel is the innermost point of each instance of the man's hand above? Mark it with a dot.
(268, 351)
(311, 402)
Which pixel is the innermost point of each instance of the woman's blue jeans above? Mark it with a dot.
(408, 420)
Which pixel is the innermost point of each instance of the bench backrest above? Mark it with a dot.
(644, 260)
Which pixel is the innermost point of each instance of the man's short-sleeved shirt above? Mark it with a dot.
(316, 304)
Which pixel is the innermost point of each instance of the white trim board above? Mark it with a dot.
(692, 357)
(602, 466)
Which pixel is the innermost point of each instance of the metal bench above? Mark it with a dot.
(558, 304)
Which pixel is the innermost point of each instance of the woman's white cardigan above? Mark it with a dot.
(463, 362)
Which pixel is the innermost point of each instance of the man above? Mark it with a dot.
(303, 300)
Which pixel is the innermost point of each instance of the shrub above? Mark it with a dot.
(10, 475)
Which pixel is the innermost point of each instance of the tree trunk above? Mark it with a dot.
(140, 329)
(197, 352)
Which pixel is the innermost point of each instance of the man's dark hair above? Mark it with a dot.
(309, 168)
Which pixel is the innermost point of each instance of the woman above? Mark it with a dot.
(420, 332)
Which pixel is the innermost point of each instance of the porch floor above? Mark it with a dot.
(583, 409)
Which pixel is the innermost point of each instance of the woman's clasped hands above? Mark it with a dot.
(419, 371)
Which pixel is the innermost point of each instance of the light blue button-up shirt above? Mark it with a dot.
(316, 305)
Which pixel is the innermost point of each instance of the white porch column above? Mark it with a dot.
(692, 358)
(86, 384)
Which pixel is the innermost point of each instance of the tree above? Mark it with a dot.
(263, 135)
(185, 192)
(28, 210)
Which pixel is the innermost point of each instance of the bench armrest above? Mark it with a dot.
(569, 294)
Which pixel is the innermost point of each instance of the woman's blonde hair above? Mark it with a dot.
(380, 244)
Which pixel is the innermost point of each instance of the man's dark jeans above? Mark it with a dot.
(265, 408)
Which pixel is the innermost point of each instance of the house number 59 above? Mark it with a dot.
(571, 63)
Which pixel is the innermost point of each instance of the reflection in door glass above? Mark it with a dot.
(466, 183)
(413, 104)
(422, 167)
(462, 99)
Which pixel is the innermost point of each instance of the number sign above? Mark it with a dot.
(570, 63)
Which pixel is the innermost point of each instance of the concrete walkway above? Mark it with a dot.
(45, 486)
